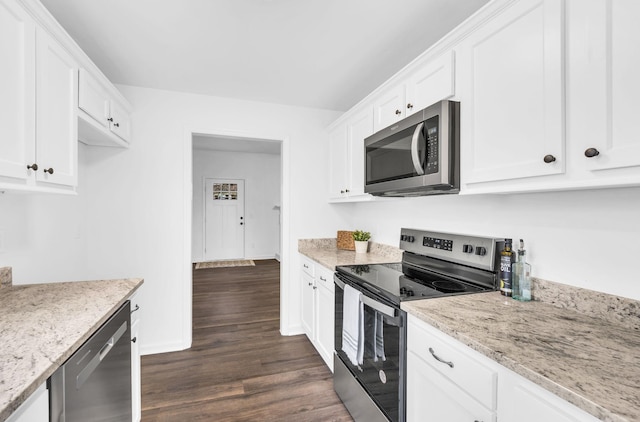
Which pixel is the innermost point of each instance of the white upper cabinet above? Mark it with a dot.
(17, 85)
(39, 102)
(427, 84)
(39, 143)
(56, 116)
(346, 157)
(512, 106)
(389, 108)
(604, 88)
(104, 119)
(431, 83)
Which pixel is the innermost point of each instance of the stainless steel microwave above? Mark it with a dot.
(416, 156)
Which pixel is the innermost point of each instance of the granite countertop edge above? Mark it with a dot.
(523, 367)
(10, 400)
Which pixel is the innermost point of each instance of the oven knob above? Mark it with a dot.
(467, 248)
(410, 239)
(403, 237)
(480, 250)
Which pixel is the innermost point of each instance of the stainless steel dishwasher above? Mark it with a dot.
(94, 384)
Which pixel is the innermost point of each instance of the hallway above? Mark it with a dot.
(239, 367)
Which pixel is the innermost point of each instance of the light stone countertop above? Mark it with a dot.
(41, 325)
(588, 361)
(324, 251)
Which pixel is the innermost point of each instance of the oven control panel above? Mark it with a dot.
(476, 251)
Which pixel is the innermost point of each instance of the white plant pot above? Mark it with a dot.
(361, 246)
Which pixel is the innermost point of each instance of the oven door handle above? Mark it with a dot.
(380, 307)
(414, 150)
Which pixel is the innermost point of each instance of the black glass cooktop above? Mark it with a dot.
(388, 280)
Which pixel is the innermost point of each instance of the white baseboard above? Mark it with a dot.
(155, 349)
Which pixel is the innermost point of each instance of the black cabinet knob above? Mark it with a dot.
(591, 152)
(116, 124)
(409, 106)
(33, 167)
(133, 340)
(110, 119)
(549, 158)
(49, 170)
(398, 112)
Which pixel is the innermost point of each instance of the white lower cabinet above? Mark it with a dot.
(523, 401)
(445, 382)
(318, 307)
(34, 409)
(448, 381)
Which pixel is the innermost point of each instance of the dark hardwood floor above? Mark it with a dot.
(239, 367)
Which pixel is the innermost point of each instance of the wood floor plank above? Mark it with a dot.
(239, 367)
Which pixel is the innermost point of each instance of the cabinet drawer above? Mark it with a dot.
(463, 366)
(324, 277)
(307, 266)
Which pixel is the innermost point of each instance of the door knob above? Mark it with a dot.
(33, 167)
(49, 170)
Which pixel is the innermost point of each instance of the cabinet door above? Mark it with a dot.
(308, 306)
(56, 112)
(358, 128)
(432, 397)
(389, 108)
(513, 117)
(521, 400)
(17, 83)
(604, 95)
(338, 162)
(34, 409)
(431, 83)
(325, 336)
(92, 98)
(121, 124)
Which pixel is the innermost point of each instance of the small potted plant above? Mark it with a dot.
(361, 240)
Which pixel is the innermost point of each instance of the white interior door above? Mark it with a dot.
(224, 219)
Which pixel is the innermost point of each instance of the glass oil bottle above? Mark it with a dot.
(521, 276)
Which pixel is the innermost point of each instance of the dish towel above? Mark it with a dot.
(379, 338)
(353, 325)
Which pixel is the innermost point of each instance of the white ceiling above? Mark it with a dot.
(325, 54)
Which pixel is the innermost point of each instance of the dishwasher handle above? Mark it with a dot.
(91, 366)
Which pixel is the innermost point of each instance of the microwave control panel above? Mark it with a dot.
(431, 129)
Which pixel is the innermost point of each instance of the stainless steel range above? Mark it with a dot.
(370, 327)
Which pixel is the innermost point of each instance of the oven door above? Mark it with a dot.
(382, 372)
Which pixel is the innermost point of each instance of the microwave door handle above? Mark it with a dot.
(414, 150)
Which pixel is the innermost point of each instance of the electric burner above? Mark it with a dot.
(448, 286)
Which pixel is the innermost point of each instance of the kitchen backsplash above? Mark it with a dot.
(6, 278)
(599, 305)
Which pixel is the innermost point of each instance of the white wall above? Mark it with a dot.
(140, 225)
(261, 174)
(43, 236)
(584, 238)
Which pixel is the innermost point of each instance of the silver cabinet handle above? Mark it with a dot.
(414, 150)
(439, 359)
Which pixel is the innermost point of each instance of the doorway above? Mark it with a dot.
(193, 137)
(223, 219)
